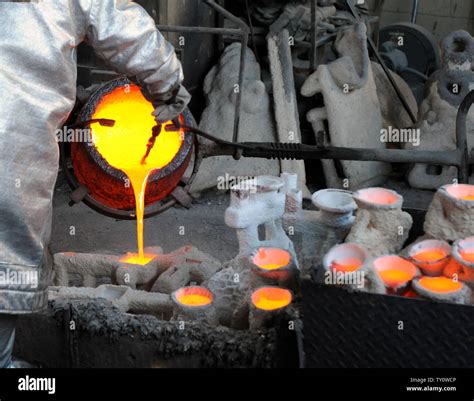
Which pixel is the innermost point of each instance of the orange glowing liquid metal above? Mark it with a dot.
(124, 145)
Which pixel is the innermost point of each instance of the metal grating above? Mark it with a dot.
(345, 329)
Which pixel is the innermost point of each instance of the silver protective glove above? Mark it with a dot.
(171, 105)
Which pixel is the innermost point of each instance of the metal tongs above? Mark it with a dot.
(155, 132)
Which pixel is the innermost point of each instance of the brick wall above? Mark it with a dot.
(438, 16)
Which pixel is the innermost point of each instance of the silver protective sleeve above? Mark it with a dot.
(38, 45)
(123, 34)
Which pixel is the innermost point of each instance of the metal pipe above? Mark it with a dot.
(231, 17)
(244, 41)
(300, 151)
(200, 30)
(378, 8)
(414, 11)
(252, 33)
(314, 34)
(238, 101)
(271, 150)
(461, 138)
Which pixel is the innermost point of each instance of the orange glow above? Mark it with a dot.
(439, 284)
(124, 145)
(134, 258)
(347, 264)
(393, 278)
(394, 270)
(430, 255)
(194, 296)
(410, 294)
(271, 298)
(378, 196)
(461, 191)
(271, 258)
(467, 256)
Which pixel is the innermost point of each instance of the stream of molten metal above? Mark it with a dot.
(124, 145)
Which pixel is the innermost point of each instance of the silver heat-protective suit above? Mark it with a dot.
(38, 45)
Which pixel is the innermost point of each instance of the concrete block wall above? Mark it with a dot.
(438, 16)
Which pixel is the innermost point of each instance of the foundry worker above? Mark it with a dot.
(38, 47)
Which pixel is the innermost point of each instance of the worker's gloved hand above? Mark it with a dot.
(171, 105)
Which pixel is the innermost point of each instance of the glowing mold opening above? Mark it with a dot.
(345, 258)
(463, 192)
(135, 259)
(271, 298)
(271, 258)
(395, 271)
(431, 256)
(378, 196)
(465, 250)
(441, 285)
(193, 297)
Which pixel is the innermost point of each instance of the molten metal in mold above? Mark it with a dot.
(346, 258)
(430, 256)
(439, 284)
(377, 196)
(461, 191)
(395, 271)
(135, 259)
(271, 298)
(467, 256)
(347, 264)
(392, 278)
(271, 258)
(194, 296)
(123, 145)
